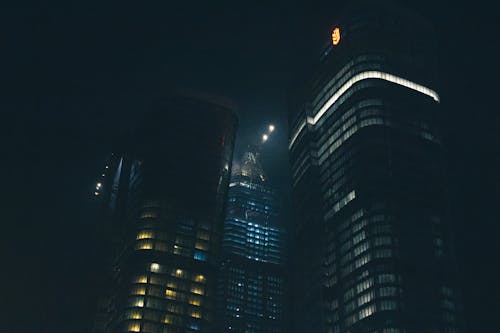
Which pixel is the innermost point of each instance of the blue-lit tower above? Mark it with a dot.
(251, 280)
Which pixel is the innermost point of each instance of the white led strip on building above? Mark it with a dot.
(297, 132)
(355, 79)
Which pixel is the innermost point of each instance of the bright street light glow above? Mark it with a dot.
(265, 137)
(271, 128)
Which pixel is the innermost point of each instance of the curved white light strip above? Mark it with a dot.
(355, 79)
(297, 132)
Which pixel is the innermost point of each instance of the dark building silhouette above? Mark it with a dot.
(164, 196)
(251, 291)
(372, 249)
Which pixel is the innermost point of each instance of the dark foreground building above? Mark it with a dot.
(164, 196)
(372, 247)
(251, 290)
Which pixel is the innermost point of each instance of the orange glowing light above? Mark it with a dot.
(336, 36)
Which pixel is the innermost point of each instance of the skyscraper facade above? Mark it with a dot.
(165, 197)
(372, 249)
(251, 289)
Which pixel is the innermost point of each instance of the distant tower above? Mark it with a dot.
(166, 196)
(251, 288)
(372, 249)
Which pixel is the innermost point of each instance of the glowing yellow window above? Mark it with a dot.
(145, 234)
(200, 278)
(179, 273)
(195, 314)
(134, 315)
(133, 327)
(171, 294)
(168, 319)
(139, 291)
(196, 301)
(144, 245)
(141, 279)
(197, 290)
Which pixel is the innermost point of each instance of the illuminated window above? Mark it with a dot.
(168, 319)
(201, 246)
(363, 299)
(199, 278)
(368, 311)
(197, 290)
(362, 286)
(196, 301)
(136, 302)
(144, 245)
(134, 327)
(179, 273)
(155, 267)
(138, 291)
(195, 314)
(141, 279)
(134, 315)
(145, 234)
(183, 251)
(171, 294)
(196, 327)
(198, 255)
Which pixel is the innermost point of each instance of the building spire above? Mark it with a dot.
(250, 163)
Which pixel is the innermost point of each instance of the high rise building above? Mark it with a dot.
(372, 249)
(165, 195)
(251, 288)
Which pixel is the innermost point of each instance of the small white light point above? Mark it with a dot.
(265, 137)
(271, 128)
(96, 193)
(99, 185)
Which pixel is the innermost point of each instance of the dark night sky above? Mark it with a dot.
(73, 74)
